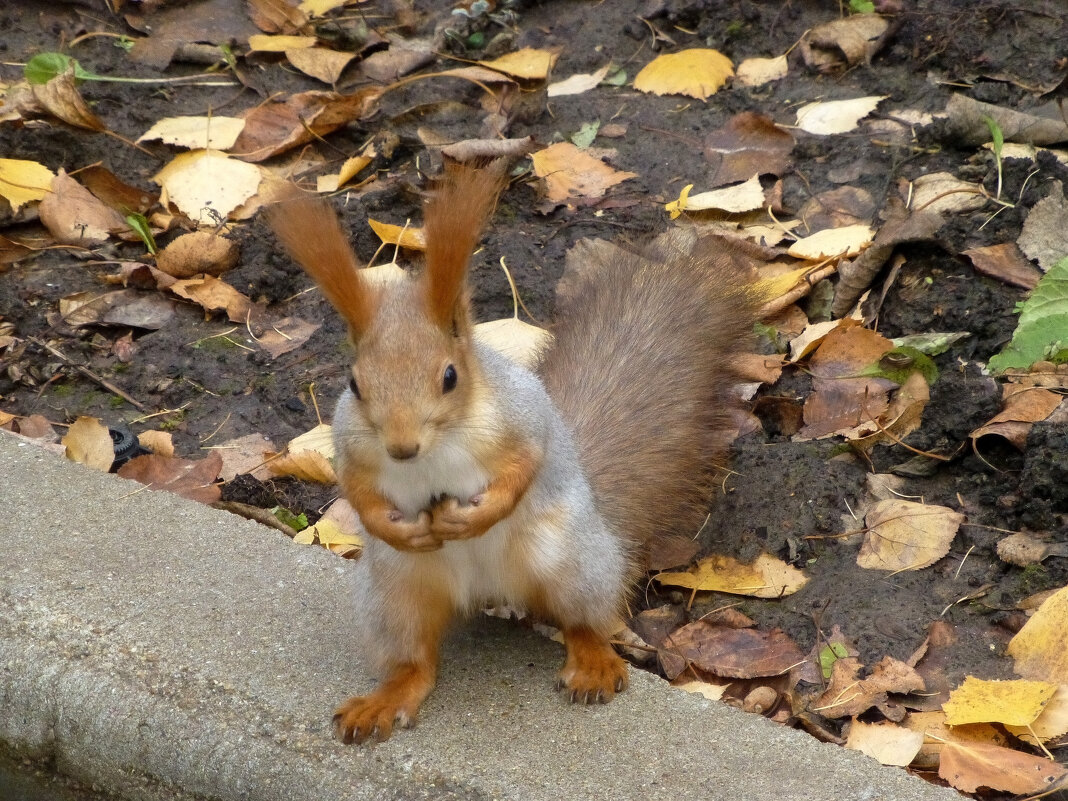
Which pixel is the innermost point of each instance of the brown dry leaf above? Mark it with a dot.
(856, 37)
(932, 725)
(477, 149)
(845, 242)
(1040, 648)
(836, 116)
(884, 741)
(159, 442)
(279, 125)
(1005, 262)
(965, 126)
(698, 72)
(60, 98)
(116, 193)
(737, 653)
(89, 442)
(835, 208)
(901, 418)
(247, 454)
(1017, 702)
(527, 64)
(766, 577)
(23, 181)
(207, 185)
(813, 335)
(1044, 236)
(905, 535)
(74, 216)
(276, 16)
(404, 235)
(199, 252)
(174, 25)
(1051, 723)
(214, 294)
(847, 695)
(1023, 407)
(286, 335)
(945, 193)
(205, 133)
(569, 172)
(280, 43)
(840, 402)
(387, 66)
(308, 457)
(1028, 549)
(194, 480)
(125, 307)
(969, 766)
(759, 71)
(319, 63)
(577, 84)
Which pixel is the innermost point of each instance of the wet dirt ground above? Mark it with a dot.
(787, 498)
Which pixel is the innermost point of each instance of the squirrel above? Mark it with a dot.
(482, 482)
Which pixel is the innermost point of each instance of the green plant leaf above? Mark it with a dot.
(296, 522)
(141, 227)
(996, 135)
(862, 6)
(1042, 332)
(586, 134)
(830, 654)
(45, 66)
(897, 364)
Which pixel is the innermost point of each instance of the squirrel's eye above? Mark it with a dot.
(448, 383)
(354, 387)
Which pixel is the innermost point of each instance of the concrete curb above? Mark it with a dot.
(161, 649)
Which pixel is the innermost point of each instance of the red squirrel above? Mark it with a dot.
(481, 482)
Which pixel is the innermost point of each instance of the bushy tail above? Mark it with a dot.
(642, 370)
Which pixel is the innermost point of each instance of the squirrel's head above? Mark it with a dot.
(414, 372)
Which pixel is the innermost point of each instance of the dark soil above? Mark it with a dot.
(788, 498)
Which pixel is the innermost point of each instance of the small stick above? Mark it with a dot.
(91, 375)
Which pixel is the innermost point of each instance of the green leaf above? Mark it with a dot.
(1042, 332)
(586, 134)
(996, 136)
(617, 78)
(295, 522)
(142, 229)
(830, 654)
(45, 66)
(862, 6)
(897, 364)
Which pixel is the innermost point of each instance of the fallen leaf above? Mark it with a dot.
(932, 725)
(279, 125)
(74, 216)
(116, 193)
(214, 294)
(696, 73)
(847, 695)
(905, 535)
(349, 170)
(247, 454)
(1017, 702)
(286, 335)
(944, 193)
(1023, 407)
(279, 43)
(159, 442)
(198, 252)
(1044, 237)
(846, 242)
(124, 307)
(736, 653)
(308, 457)
(965, 124)
(319, 63)
(569, 172)
(836, 208)
(89, 442)
(60, 98)
(206, 133)
(836, 116)
(339, 530)
(1042, 331)
(23, 181)
(404, 235)
(766, 577)
(746, 196)
(969, 766)
(884, 741)
(276, 16)
(207, 185)
(521, 342)
(901, 418)
(713, 692)
(759, 71)
(1028, 549)
(527, 64)
(194, 480)
(1051, 723)
(1006, 263)
(1040, 648)
(813, 335)
(577, 84)
(856, 37)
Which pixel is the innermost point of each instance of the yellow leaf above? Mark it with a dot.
(758, 71)
(348, 171)
(264, 43)
(23, 181)
(847, 241)
(319, 62)
(319, 8)
(571, 172)
(405, 236)
(1051, 723)
(308, 457)
(904, 535)
(1017, 702)
(215, 133)
(88, 442)
(887, 742)
(207, 185)
(695, 73)
(159, 442)
(766, 577)
(528, 63)
(1040, 648)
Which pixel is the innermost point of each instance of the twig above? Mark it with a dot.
(90, 375)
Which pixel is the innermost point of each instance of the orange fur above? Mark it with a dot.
(454, 218)
(593, 671)
(310, 231)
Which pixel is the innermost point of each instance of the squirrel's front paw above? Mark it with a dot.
(452, 520)
(366, 716)
(404, 535)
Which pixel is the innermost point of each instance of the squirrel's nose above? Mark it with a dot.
(403, 451)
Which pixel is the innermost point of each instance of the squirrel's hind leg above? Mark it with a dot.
(593, 671)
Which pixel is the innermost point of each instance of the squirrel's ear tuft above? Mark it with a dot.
(309, 230)
(455, 214)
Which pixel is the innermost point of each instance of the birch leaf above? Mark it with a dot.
(698, 72)
(904, 535)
